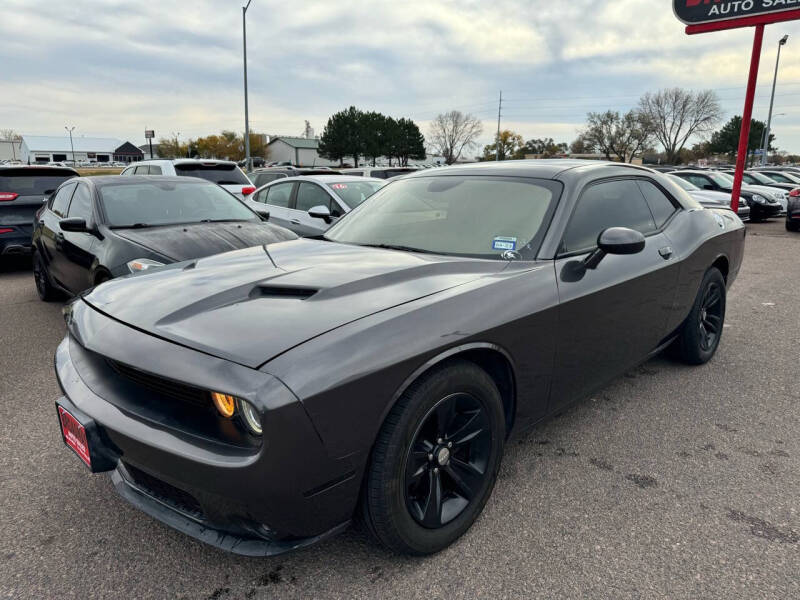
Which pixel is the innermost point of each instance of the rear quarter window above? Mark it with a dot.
(33, 182)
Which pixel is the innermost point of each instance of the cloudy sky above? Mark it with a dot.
(112, 68)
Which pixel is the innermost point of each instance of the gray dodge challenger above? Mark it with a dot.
(261, 399)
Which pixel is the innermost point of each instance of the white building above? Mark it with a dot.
(10, 150)
(45, 148)
(301, 152)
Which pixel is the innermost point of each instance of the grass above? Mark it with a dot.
(94, 172)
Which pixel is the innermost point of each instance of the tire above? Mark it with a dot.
(702, 330)
(44, 287)
(792, 226)
(451, 402)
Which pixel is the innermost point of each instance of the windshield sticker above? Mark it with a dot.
(504, 243)
(339, 186)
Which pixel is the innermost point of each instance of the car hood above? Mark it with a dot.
(710, 196)
(184, 242)
(764, 190)
(250, 305)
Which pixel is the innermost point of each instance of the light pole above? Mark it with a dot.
(246, 115)
(177, 144)
(70, 130)
(781, 42)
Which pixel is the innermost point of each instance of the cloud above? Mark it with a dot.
(114, 67)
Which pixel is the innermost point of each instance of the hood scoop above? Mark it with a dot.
(279, 291)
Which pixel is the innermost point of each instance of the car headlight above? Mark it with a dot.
(143, 264)
(250, 417)
(759, 198)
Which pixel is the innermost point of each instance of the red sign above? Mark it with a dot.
(74, 435)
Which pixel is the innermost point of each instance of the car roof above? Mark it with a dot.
(327, 179)
(103, 180)
(187, 161)
(7, 168)
(538, 168)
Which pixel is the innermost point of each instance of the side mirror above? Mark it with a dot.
(262, 212)
(320, 212)
(615, 240)
(74, 224)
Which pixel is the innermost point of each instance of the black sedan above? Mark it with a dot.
(96, 228)
(761, 205)
(257, 400)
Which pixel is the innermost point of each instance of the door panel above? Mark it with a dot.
(52, 237)
(308, 196)
(277, 198)
(77, 246)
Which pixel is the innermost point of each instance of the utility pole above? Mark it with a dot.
(70, 130)
(246, 115)
(497, 139)
(781, 42)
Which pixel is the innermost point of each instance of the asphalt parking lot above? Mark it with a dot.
(672, 482)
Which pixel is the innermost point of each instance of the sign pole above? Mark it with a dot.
(744, 136)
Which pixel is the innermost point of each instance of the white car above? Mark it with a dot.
(225, 173)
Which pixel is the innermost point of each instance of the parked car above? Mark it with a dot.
(260, 177)
(711, 199)
(22, 190)
(309, 205)
(762, 205)
(793, 211)
(761, 178)
(98, 228)
(774, 190)
(380, 172)
(256, 398)
(782, 176)
(225, 173)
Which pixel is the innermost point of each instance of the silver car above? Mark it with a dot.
(309, 205)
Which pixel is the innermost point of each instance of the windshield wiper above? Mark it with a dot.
(220, 220)
(134, 226)
(398, 247)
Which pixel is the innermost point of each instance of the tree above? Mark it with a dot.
(172, 148)
(452, 133)
(509, 144)
(408, 141)
(677, 114)
(343, 136)
(726, 139)
(546, 147)
(620, 136)
(581, 145)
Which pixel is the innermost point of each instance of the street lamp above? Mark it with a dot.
(246, 116)
(70, 130)
(781, 42)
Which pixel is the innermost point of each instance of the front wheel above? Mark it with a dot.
(702, 331)
(44, 287)
(435, 460)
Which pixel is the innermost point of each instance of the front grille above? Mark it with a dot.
(166, 387)
(164, 492)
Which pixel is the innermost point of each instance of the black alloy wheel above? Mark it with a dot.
(43, 286)
(435, 460)
(447, 462)
(702, 330)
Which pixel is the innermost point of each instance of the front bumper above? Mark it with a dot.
(255, 500)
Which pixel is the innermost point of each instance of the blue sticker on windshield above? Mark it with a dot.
(504, 243)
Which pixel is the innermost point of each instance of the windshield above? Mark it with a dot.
(218, 173)
(354, 193)
(170, 203)
(476, 216)
(31, 182)
(721, 179)
(687, 185)
(761, 178)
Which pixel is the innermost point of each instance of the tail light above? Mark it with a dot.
(795, 193)
(8, 196)
(247, 190)
(5, 230)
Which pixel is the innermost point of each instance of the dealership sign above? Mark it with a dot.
(695, 12)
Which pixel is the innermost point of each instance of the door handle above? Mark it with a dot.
(296, 221)
(665, 252)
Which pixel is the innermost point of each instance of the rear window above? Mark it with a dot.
(221, 174)
(32, 182)
(354, 193)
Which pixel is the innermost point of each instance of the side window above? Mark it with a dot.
(603, 205)
(278, 195)
(660, 205)
(81, 205)
(359, 173)
(142, 170)
(155, 170)
(310, 195)
(61, 200)
(128, 171)
(698, 180)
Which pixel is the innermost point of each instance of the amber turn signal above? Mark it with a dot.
(225, 403)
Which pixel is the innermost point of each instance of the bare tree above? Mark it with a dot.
(9, 135)
(616, 135)
(453, 132)
(677, 114)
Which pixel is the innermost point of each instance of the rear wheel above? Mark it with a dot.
(702, 331)
(790, 226)
(47, 292)
(435, 461)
